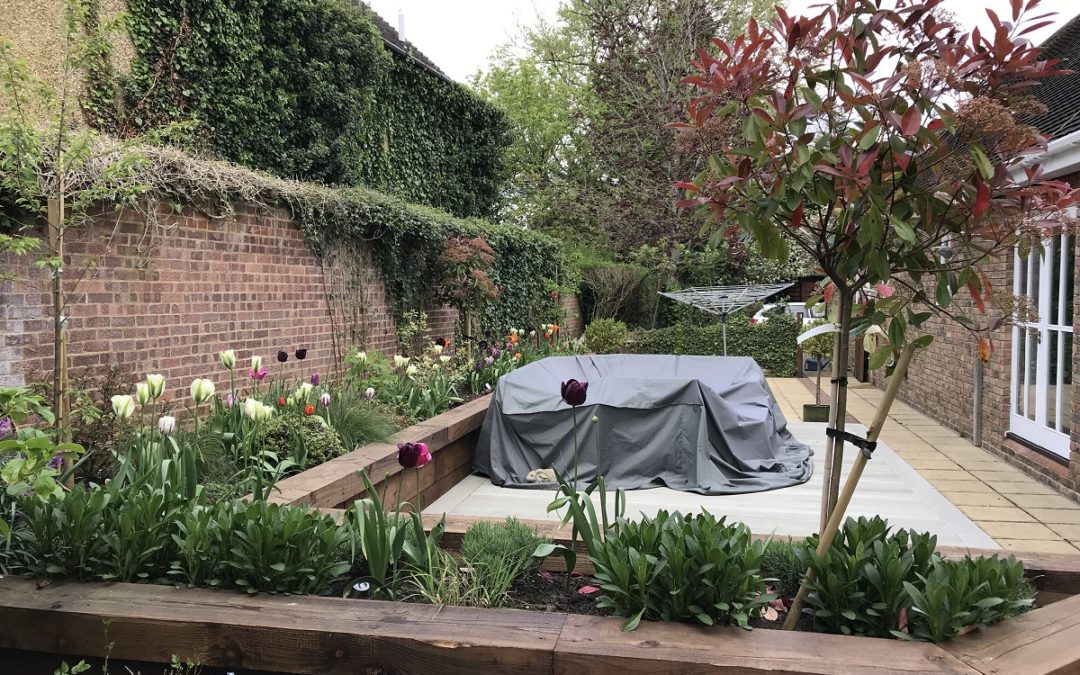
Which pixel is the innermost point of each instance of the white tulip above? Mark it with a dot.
(123, 406)
(228, 358)
(167, 425)
(156, 382)
(142, 393)
(201, 390)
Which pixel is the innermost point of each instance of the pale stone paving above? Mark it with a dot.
(1019, 512)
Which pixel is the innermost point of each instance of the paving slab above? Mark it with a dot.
(889, 488)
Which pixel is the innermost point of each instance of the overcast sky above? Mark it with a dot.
(459, 35)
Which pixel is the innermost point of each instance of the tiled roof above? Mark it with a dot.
(390, 37)
(1060, 94)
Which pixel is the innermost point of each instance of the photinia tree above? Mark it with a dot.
(884, 142)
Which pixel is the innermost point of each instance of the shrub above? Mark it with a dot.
(881, 584)
(772, 343)
(616, 291)
(606, 336)
(681, 568)
(357, 420)
(308, 440)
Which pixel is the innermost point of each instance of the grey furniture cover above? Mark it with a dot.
(704, 424)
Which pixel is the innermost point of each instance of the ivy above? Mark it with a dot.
(305, 89)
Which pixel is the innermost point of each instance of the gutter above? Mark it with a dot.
(1062, 156)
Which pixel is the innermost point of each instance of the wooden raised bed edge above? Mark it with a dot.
(450, 436)
(331, 635)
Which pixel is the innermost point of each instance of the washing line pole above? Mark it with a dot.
(723, 301)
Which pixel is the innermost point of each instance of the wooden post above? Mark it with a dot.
(837, 515)
(60, 371)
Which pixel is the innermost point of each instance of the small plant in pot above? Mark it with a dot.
(818, 344)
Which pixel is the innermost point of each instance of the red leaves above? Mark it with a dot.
(982, 200)
(910, 122)
(797, 217)
(986, 348)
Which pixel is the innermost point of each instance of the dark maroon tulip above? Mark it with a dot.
(441, 341)
(409, 455)
(573, 392)
(282, 356)
(300, 354)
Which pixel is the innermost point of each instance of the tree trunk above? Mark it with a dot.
(60, 373)
(834, 448)
(828, 533)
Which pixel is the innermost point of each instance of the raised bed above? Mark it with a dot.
(330, 635)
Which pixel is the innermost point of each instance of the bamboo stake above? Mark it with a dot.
(833, 526)
(60, 372)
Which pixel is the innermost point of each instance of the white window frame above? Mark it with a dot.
(1033, 425)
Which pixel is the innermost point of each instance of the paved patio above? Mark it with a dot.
(1020, 513)
(923, 476)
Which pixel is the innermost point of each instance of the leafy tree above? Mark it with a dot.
(877, 139)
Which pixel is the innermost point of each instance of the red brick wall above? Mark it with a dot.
(168, 298)
(940, 383)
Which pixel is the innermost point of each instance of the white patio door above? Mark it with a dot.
(1041, 400)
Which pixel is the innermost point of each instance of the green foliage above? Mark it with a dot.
(497, 554)
(681, 568)
(307, 439)
(19, 404)
(879, 583)
(306, 88)
(819, 346)
(152, 534)
(771, 344)
(784, 566)
(357, 420)
(28, 463)
(606, 336)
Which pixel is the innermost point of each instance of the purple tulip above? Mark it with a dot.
(315, 379)
(573, 392)
(495, 352)
(56, 462)
(282, 356)
(508, 346)
(229, 400)
(413, 455)
(5, 427)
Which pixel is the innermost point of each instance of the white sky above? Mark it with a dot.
(459, 35)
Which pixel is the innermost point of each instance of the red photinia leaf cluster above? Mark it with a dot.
(885, 143)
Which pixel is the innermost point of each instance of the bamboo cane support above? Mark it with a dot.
(837, 516)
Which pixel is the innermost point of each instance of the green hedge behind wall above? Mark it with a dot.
(771, 344)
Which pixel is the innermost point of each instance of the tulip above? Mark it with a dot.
(400, 361)
(411, 370)
(437, 348)
(304, 390)
(441, 341)
(282, 356)
(201, 390)
(513, 331)
(256, 363)
(482, 344)
(265, 412)
(229, 400)
(156, 382)
(5, 427)
(291, 400)
(123, 405)
(259, 374)
(228, 358)
(444, 359)
(281, 402)
(142, 393)
(489, 361)
(166, 425)
(532, 333)
(315, 378)
(325, 398)
(517, 356)
(300, 354)
(361, 358)
(250, 409)
(413, 455)
(495, 352)
(368, 393)
(573, 392)
(309, 409)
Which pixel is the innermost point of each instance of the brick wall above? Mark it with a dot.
(168, 298)
(940, 383)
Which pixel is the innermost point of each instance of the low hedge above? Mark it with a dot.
(772, 343)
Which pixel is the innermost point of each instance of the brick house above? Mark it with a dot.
(1030, 406)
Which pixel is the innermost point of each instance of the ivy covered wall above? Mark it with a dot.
(305, 89)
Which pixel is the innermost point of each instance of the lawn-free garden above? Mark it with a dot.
(281, 299)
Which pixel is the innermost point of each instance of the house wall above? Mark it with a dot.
(941, 384)
(168, 297)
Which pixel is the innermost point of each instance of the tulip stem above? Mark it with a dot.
(573, 413)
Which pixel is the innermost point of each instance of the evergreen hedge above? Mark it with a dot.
(772, 343)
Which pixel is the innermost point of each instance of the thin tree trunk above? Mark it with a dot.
(828, 533)
(60, 374)
(834, 448)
